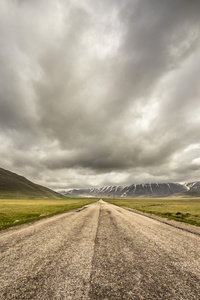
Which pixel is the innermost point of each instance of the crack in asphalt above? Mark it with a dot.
(93, 257)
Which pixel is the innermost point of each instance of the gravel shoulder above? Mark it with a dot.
(176, 224)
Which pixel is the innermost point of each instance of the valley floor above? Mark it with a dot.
(100, 251)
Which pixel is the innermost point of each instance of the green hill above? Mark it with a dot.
(15, 186)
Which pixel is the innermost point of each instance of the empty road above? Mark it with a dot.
(99, 252)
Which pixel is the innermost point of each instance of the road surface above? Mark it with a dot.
(99, 252)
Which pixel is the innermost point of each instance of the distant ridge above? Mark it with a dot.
(13, 185)
(140, 190)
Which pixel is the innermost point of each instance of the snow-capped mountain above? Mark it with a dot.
(136, 190)
(193, 186)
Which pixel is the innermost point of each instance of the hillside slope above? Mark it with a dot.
(13, 185)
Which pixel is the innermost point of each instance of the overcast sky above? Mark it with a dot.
(103, 92)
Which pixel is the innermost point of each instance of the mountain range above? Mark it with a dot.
(14, 185)
(139, 190)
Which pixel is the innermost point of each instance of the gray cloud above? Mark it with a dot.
(100, 93)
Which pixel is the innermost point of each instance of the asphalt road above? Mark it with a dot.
(99, 252)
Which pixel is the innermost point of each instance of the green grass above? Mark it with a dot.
(18, 211)
(183, 210)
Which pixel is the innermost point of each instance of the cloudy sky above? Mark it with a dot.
(102, 92)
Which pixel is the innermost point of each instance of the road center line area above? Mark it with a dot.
(100, 252)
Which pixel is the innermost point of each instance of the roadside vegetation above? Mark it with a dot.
(18, 211)
(182, 210)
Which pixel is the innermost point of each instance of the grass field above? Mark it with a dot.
(183, 210)
(17, 211)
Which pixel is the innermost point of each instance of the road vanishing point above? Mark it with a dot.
(100, 251)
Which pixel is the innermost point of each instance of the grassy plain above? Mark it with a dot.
(182, 210)
(18, 211)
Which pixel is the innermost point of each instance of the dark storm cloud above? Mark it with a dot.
(100, 93)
